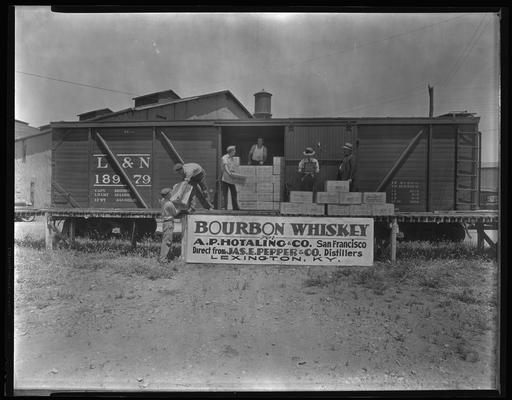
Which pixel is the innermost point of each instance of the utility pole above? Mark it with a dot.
(431, 101)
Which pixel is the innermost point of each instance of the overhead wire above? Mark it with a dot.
(76, 83)
(463, 55)
(277, 67)
(474, 39)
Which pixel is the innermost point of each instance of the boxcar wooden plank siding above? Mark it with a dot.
(133, 148)
(379, 149)
(194, 144)
(442, 168)
(70, 166)
(381, 142)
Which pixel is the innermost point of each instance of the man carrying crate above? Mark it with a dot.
(229, 178)
(195, 175)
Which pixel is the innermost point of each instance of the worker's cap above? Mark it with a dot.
(309, 151)
(178, 166)
(230, 148)
(165, 191)
(348, 146)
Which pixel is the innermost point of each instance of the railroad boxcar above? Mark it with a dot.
(423, 164)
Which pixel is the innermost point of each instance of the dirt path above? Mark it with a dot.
(87, 324)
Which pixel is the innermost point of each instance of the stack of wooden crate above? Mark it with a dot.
(263, 188)
(336, 200)
(301, 203)
(340, 202)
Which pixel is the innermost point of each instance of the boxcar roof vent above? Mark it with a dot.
(456, 114)
(155, 98)
(262, 104)
(93, 114)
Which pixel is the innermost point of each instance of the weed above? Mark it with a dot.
(480, 322)
(442, 250)
(466, 296)
(430, 281)
(321, 281)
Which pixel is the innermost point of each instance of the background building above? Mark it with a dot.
(32, 165)
(489, 185)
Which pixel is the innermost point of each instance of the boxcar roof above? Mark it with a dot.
(275, 122)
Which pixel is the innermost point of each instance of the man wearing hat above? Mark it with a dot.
(227, 182)
(168, 213)
(308, 169)
(195, 175)
(347, 168)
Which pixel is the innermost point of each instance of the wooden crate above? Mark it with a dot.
(262, 187)
(374, 197)
(247, 188)
(337, 186)
(238, 179)
(247, 170)
(245, 196)
(276, 195)
(301, 197)
(360, 209)
(327, 197)
(338, 210)
(313, 209)
(264, 196)
(290, 208)
(350, 197)
(265, 205)
(264, 171)
(383, 209)
(248, 205)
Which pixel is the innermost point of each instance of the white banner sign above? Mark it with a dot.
(237, 239)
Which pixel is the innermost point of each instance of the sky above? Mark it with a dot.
(314, 64)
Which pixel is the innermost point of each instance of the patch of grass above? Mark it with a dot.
(431, 281)
(442, 250)
(28, 241)
(321, 281)
(466, 296)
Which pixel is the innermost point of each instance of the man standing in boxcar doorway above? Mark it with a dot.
(258, 153)
(348, 167)
(308, 170)
(194, 174)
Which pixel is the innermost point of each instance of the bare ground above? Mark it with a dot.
(111, 321)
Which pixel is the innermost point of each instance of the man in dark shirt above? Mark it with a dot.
(194, 174)
(348, 167)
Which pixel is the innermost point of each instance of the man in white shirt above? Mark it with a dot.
(195, 175)
(258, 153)
(227, 182)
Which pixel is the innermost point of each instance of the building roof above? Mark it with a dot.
(186, 99)
(100, 111)
(22, 130)
(158, 94)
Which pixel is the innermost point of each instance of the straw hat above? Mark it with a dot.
(348, 146)
(309, 151)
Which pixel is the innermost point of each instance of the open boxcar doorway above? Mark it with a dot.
(243, 137)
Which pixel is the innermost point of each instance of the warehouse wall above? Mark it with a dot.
(32, 173)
